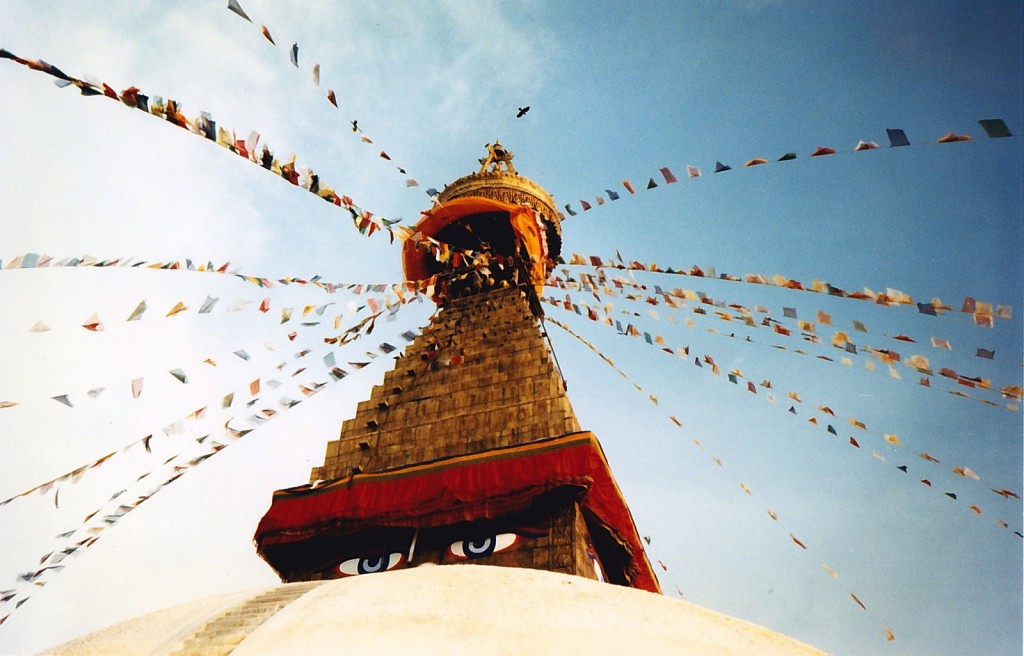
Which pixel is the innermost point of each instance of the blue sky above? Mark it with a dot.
(616, 92)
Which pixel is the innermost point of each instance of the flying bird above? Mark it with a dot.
(522, 111)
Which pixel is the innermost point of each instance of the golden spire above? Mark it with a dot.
(496, 156)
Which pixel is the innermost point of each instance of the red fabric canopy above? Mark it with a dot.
(464, 488)
(528, 230)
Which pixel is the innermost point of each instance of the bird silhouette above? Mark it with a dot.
(522, 111)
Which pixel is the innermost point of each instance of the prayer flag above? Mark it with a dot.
(985, 353)
(629, 186)
(787, 157)
(316, 74)
(965, 472)
(63, 398)
(136, 387)
(651, 184)
(237, 8)
(179, 374)
(756, 161)
(569, 210)
(719, 167)
(294, 55)
(93, 323)
(669, 177)
(611, 194)
(266, 33)
(865, 145)
(897, 137)
(178, 308)
(330, 96)
(954, 137)
(208, 305)
(995, 128)
(823, 150)
(693, 171)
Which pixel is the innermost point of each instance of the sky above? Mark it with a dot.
(615, 92)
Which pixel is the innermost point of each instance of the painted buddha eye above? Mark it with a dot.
(371, 564)
(482, 547)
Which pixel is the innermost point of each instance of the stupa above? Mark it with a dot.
(469, 451)
(469, 456)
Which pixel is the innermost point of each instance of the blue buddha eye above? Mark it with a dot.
(483, 546)
(371, 564)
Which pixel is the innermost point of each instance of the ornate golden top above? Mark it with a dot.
(496, 156)
(498, 180)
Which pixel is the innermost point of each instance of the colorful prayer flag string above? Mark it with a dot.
(984, 314)
(677, 298)
(994, 128)
(293, 57)
(249, 149)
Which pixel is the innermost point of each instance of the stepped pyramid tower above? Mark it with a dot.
(469, 451)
